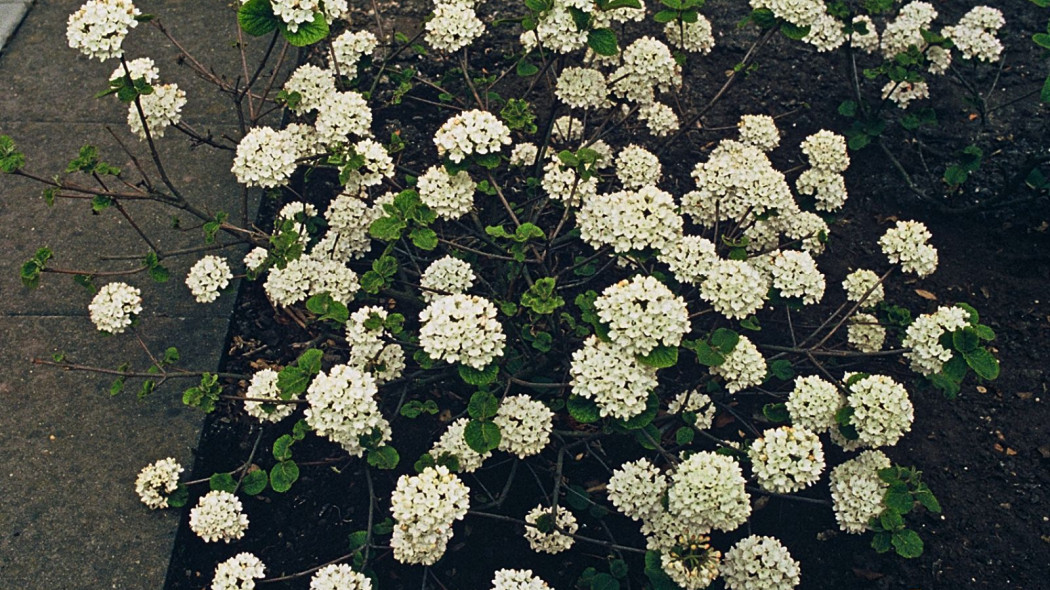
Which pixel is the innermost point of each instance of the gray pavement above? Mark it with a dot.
(11, 14)
(69, 515)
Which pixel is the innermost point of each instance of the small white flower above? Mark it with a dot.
(550, 540)
(759, 131)
(471, 132)
(156, 481)
(425, 506)
(450, 196)
(207, 277)
(461, 329)
(218, 516)
(339, 576)
(786, 459)
(707, 492)
(759, 563)
(857, 490)
(525, 425)
(907, 243)
(238, 573)
(114, 306)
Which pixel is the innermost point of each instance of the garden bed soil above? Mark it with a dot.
(986, 455)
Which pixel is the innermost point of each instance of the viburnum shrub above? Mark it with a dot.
(534, 261)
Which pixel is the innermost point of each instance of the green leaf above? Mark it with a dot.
(472, 376)
(526, 69)
(654, 570)
(907, 543)
(891, 520)
(618, 568)
(300, 429)
(781, 369)
(582, 410)
(100, 203)
(1042, 40)
(724, 340)
(256, 17)
(385, 457)
(425, 460)
(604, 581)
(1044, 94)
(283, 475)
(764, 18)
(489, 161)
(327, 308)
(10, 158)
(965, 340)
(357, 539)
(794, 32)
(660, 357)
(482, 436)
(310, 361)
(750, 323)
(684, 435)
(222, 482)
(386, 229)
(255, 482)
(424, 238)
(983, 363)
(848, 108)
(898, 500)
(776, 412)
(984, 332)
(282, 447)
(308, 33)
(292, 381)
(927, 499)
(881, 542)
(482, 406)
(179, 497)
(665, 16)
(602, 41)
(652, 406)
(708, 356)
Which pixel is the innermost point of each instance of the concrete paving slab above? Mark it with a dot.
(70, 516)
(11, 14)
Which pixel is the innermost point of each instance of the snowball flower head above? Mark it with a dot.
(218, 516)
(795, 274)
(865, 334)
(550, 539)
(882, 412)
(340, 115)
(743, 367)
(339, 576)
(471, 132)
(454, 26)
(690, 562)
(162, 107)
(857, 285)
(759, 131)
(786, 459)
(582, 88)
(694, 37)
(98, 28)
(367, 334)
(156, 481)
(238, 573)
(343, 408)
(734, 288)
(759, 563)
(351, 46)
(707, 492)
(461, 329)
(425, 506)
(642, 313)
(647, 65)
(826, 150)
(506, 579)
(828, 188)
(660, 119)
(264, 387)
(927, 355)
(525, 425)
(450, 195)
(700, 404)
(446, 276)
(813, 402)
(907, 244)
(113, 308)
(265, 158)
(857, 490)
(801, 13)
(635, 489)
(295, 12)
(207, 277)
(313, 84)
(453, 443)
(637, 167)
(974, 35)
(616, 381)
(736, 181)
(629, 220)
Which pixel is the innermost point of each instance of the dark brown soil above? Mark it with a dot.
(986, 455)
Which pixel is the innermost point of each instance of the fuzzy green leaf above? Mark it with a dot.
(983, 363)
(483, 405)
(582, 410)
(256, 17)
(385, 457)
(222, 482)
(602, 41)
(283, 475)
(907, 543)
(482, 436)
(660, 357)
(255, 482)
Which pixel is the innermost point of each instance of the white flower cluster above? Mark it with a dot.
(446, 276)
(904, 93)
(694, 37)
(826, 187)
(795, 274)
(350, 47)
(882, 412)
(562, 183)
(349, 218)
(743, 367)
(525, 425)
(825, 33)
(616, 381)
(813, 402)
(454, 25)
(556, 30)
(297, 212)
(313, 84)
(567, 129)
(707, 492)
(207, 277)
(552, 541)
(786, 459)
(906, 29)
(265, 157)
(311, 275)
(113, 308)
(759, 563)
(907, 243)
(450, 196)
(858, 283)
(637, 167)
(340, 115)
(264, 387)
(801, 13)
(453, 443)
(647, 65)
(218, 516)
(339, 576)
(759, 131)
(524, 154)
(369, 349)
(865, 333)
(927, 356)
(689, 258)
(868, 41)
(696, 402)
(642, 313)
(974, 35)
(691, 563)
(425, 506)
(506, 579)
(343, 408)
(471, 132)
(660, 118)
(377, 163)
(255, 258)
(98, 28)
(238, 573)
(461, 329)
(636, 488)
(582, 88)
(295, 12)
(734, 288)
(156, 481)
(826, 150)
(142, 67)
(630, 220)
(162, 107)
(857, 491)
(736, 180)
